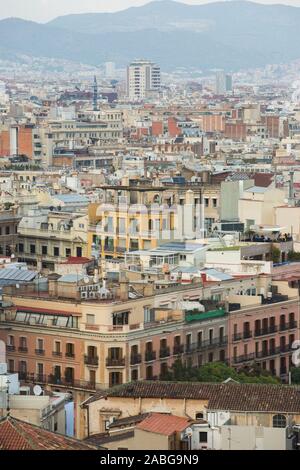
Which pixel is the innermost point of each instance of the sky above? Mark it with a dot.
(45, 10)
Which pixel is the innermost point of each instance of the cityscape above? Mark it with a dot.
(150, 229)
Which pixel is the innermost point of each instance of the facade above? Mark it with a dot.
(138, 217)
(48, 238)
(9, 221)
(142, 77)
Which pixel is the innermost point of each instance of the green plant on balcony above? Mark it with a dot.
(275, 254)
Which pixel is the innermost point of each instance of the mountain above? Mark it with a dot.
(230, 35)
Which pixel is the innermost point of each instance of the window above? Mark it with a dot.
(199, 415)
(7, 230)
(11, 340)
(206, 202)
(70, 350)
(11, 365)
(90, 319)
(120, 318)
(44, 250)
(203, 437)
(279, 421)
(148, 315)
(40, 344)
(68, 252)
(32, 249)
(215, 202)
(56, 251)
(21, 247)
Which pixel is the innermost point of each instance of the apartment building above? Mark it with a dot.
(143, 77)
(141, 216)
(9, 221)
(80, 338)
(45, 238)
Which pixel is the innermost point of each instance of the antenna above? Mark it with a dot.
(8, 403)
(95, 94)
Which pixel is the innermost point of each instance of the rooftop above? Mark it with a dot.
(18, 435)
(163, 424)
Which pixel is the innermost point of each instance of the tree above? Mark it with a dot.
(295, 373)
(218, 372)
(275, 254)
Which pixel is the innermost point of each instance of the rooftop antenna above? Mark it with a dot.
(95, 94)
(7, 401)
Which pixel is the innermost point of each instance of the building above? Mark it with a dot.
(19, 435)
(223, 83)
(143, 77)
(272, 407)
(9, 221)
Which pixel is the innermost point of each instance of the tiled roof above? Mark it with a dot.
(163, 424)
(128, 421)
(99, 440)
(231, 397)
(18, 435)
(77, 260)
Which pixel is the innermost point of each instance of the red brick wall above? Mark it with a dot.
(25, 142)
(173, 129)
(157, 128)
(4, 143)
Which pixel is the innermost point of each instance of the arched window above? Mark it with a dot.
(279, 421)
(199, 416)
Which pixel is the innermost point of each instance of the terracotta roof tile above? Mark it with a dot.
(234, 397)
(18, 435)
(163, 424)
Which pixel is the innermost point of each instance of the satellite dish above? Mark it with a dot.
(37, 390)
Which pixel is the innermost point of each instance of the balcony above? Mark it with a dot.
(178, 349)
(22, 349)
(244, 358)
(266, 331)
(119, 362)
(91, 360)
(61, 381)
(10, 348)
(40, 352)
(288, 326)
(70, 355)
(135, 359)
(247, 334)
(56, 354)
(164, 352)
(150, 356)
(212, 343)
(236, 336)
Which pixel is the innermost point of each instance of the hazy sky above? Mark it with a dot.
(44, 10)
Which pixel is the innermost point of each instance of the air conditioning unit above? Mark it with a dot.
(24, 390)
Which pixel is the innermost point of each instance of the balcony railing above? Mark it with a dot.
(61, 381)
(135, 359)
(40, 352)
(164, 352)
(207, 344)
(57, 353)
(266, 331)
(119, 362)
(91, 360)
(247, 334)
(10, 348)
(178, 349)
(236, 336)
(150, 356)
(288, 326)
(23, 349)
(263, 354)
(70, 355)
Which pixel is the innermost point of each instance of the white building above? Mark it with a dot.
(143, 77)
